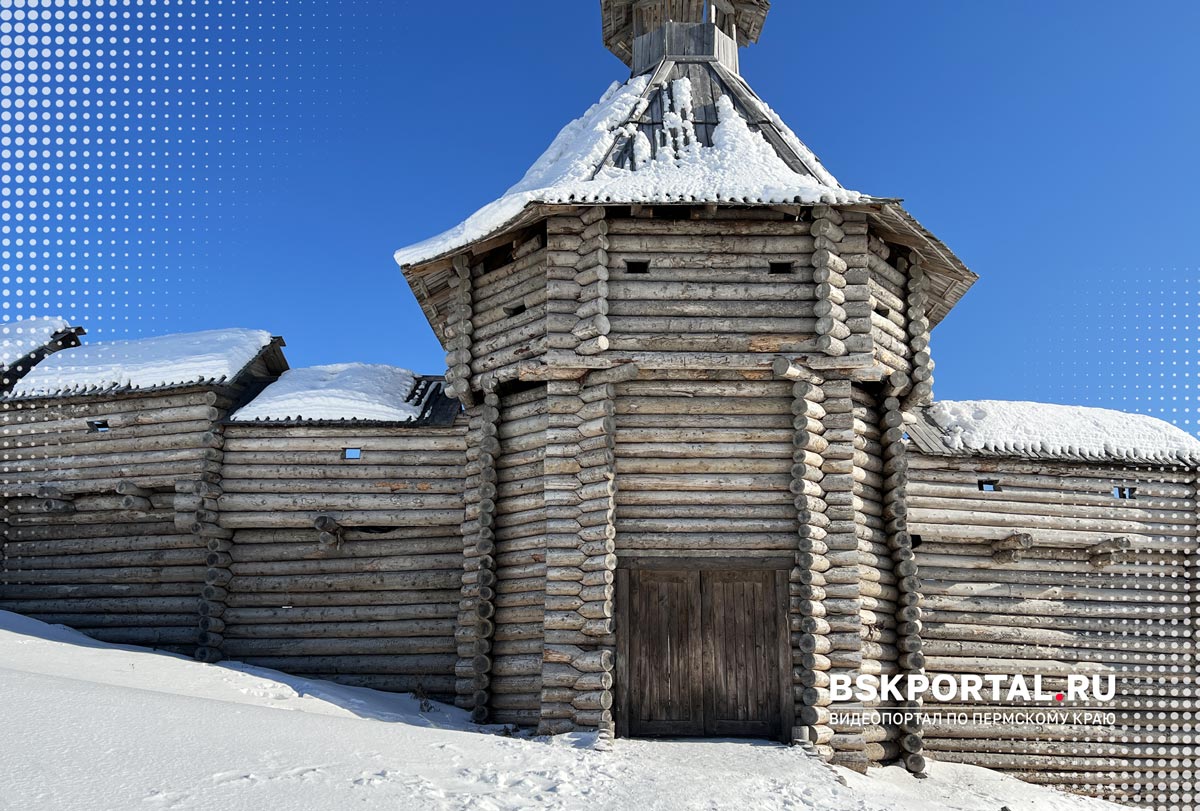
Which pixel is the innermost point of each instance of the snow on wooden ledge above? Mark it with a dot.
(1043, 430)
(212, 356)
(346, 391)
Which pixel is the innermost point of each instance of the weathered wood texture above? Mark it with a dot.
(703, 652)
(370, 594)
(709, 288)
(1046, 608)
(93, 539)
(520, 558)
(704, 467)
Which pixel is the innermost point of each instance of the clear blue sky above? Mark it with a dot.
(1051, 145)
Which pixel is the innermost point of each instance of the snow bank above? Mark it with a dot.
(740, 167)
(347, 391)
(1044, 430)
(19, 338)
(167, 360)
(104, 727)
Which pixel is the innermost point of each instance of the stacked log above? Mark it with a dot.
(563, 244)
(878, 586)
(844, 602)
(829, 275)
(711, 296)
(704, 464)
(377, 603)
(918, 337)
(884, 309)
(592, 327)
(509, 308)
(580, 489)
(1052, 613)
(473, 635)
(196, 509)
(92, 539)
(459, 333)
(520, 557)
(910, 658)
(810, 630)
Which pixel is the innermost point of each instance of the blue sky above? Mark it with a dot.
(1051, 145)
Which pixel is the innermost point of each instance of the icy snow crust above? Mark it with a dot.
(347, 391)
(19, 338)
(740, 167)
(168, 360)
(96, 727)
(1044, 430)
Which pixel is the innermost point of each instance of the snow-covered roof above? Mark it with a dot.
(345, 392)
(19, 339)
(682, 136)
(1001, 428)
(213, 356)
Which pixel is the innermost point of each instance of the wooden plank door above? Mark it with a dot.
(741, 654)
(702, 653)
(663, 654)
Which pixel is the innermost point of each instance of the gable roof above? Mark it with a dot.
(352, 392)
(165, 361)
(1024, 430)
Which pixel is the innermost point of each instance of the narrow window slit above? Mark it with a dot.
(515, 309)
(637, 266)
(98, 427)
(1123, 492)
(352, 453)
(782, 268)
(989, 486)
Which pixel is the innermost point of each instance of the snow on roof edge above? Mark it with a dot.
(1006, 428)
(343, 393)
(206, 357)
(739, 169)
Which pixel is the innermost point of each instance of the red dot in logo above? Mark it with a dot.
(1059, 697)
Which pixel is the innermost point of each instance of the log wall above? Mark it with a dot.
(709, 289)
(372, 599)
(520, 558)
(507, 305)
(704, 467)
(93, 537)
(1052, 575)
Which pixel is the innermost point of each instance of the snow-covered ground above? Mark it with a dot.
(87, 725)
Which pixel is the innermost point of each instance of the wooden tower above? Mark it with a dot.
(686, 352)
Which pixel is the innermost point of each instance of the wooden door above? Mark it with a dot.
(702, 653)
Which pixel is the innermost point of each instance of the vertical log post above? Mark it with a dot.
(459, 329)
(843, 614)
(918, 336)
(580, 561)
(473, 636)
(592, 327)
(563, 241)
(197, 510)
(809, 627)
(908, 583)
(852, 249)
(829, 275)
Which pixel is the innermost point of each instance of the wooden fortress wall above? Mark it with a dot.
(1071, 600)
(371, 602)
(97, 535)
